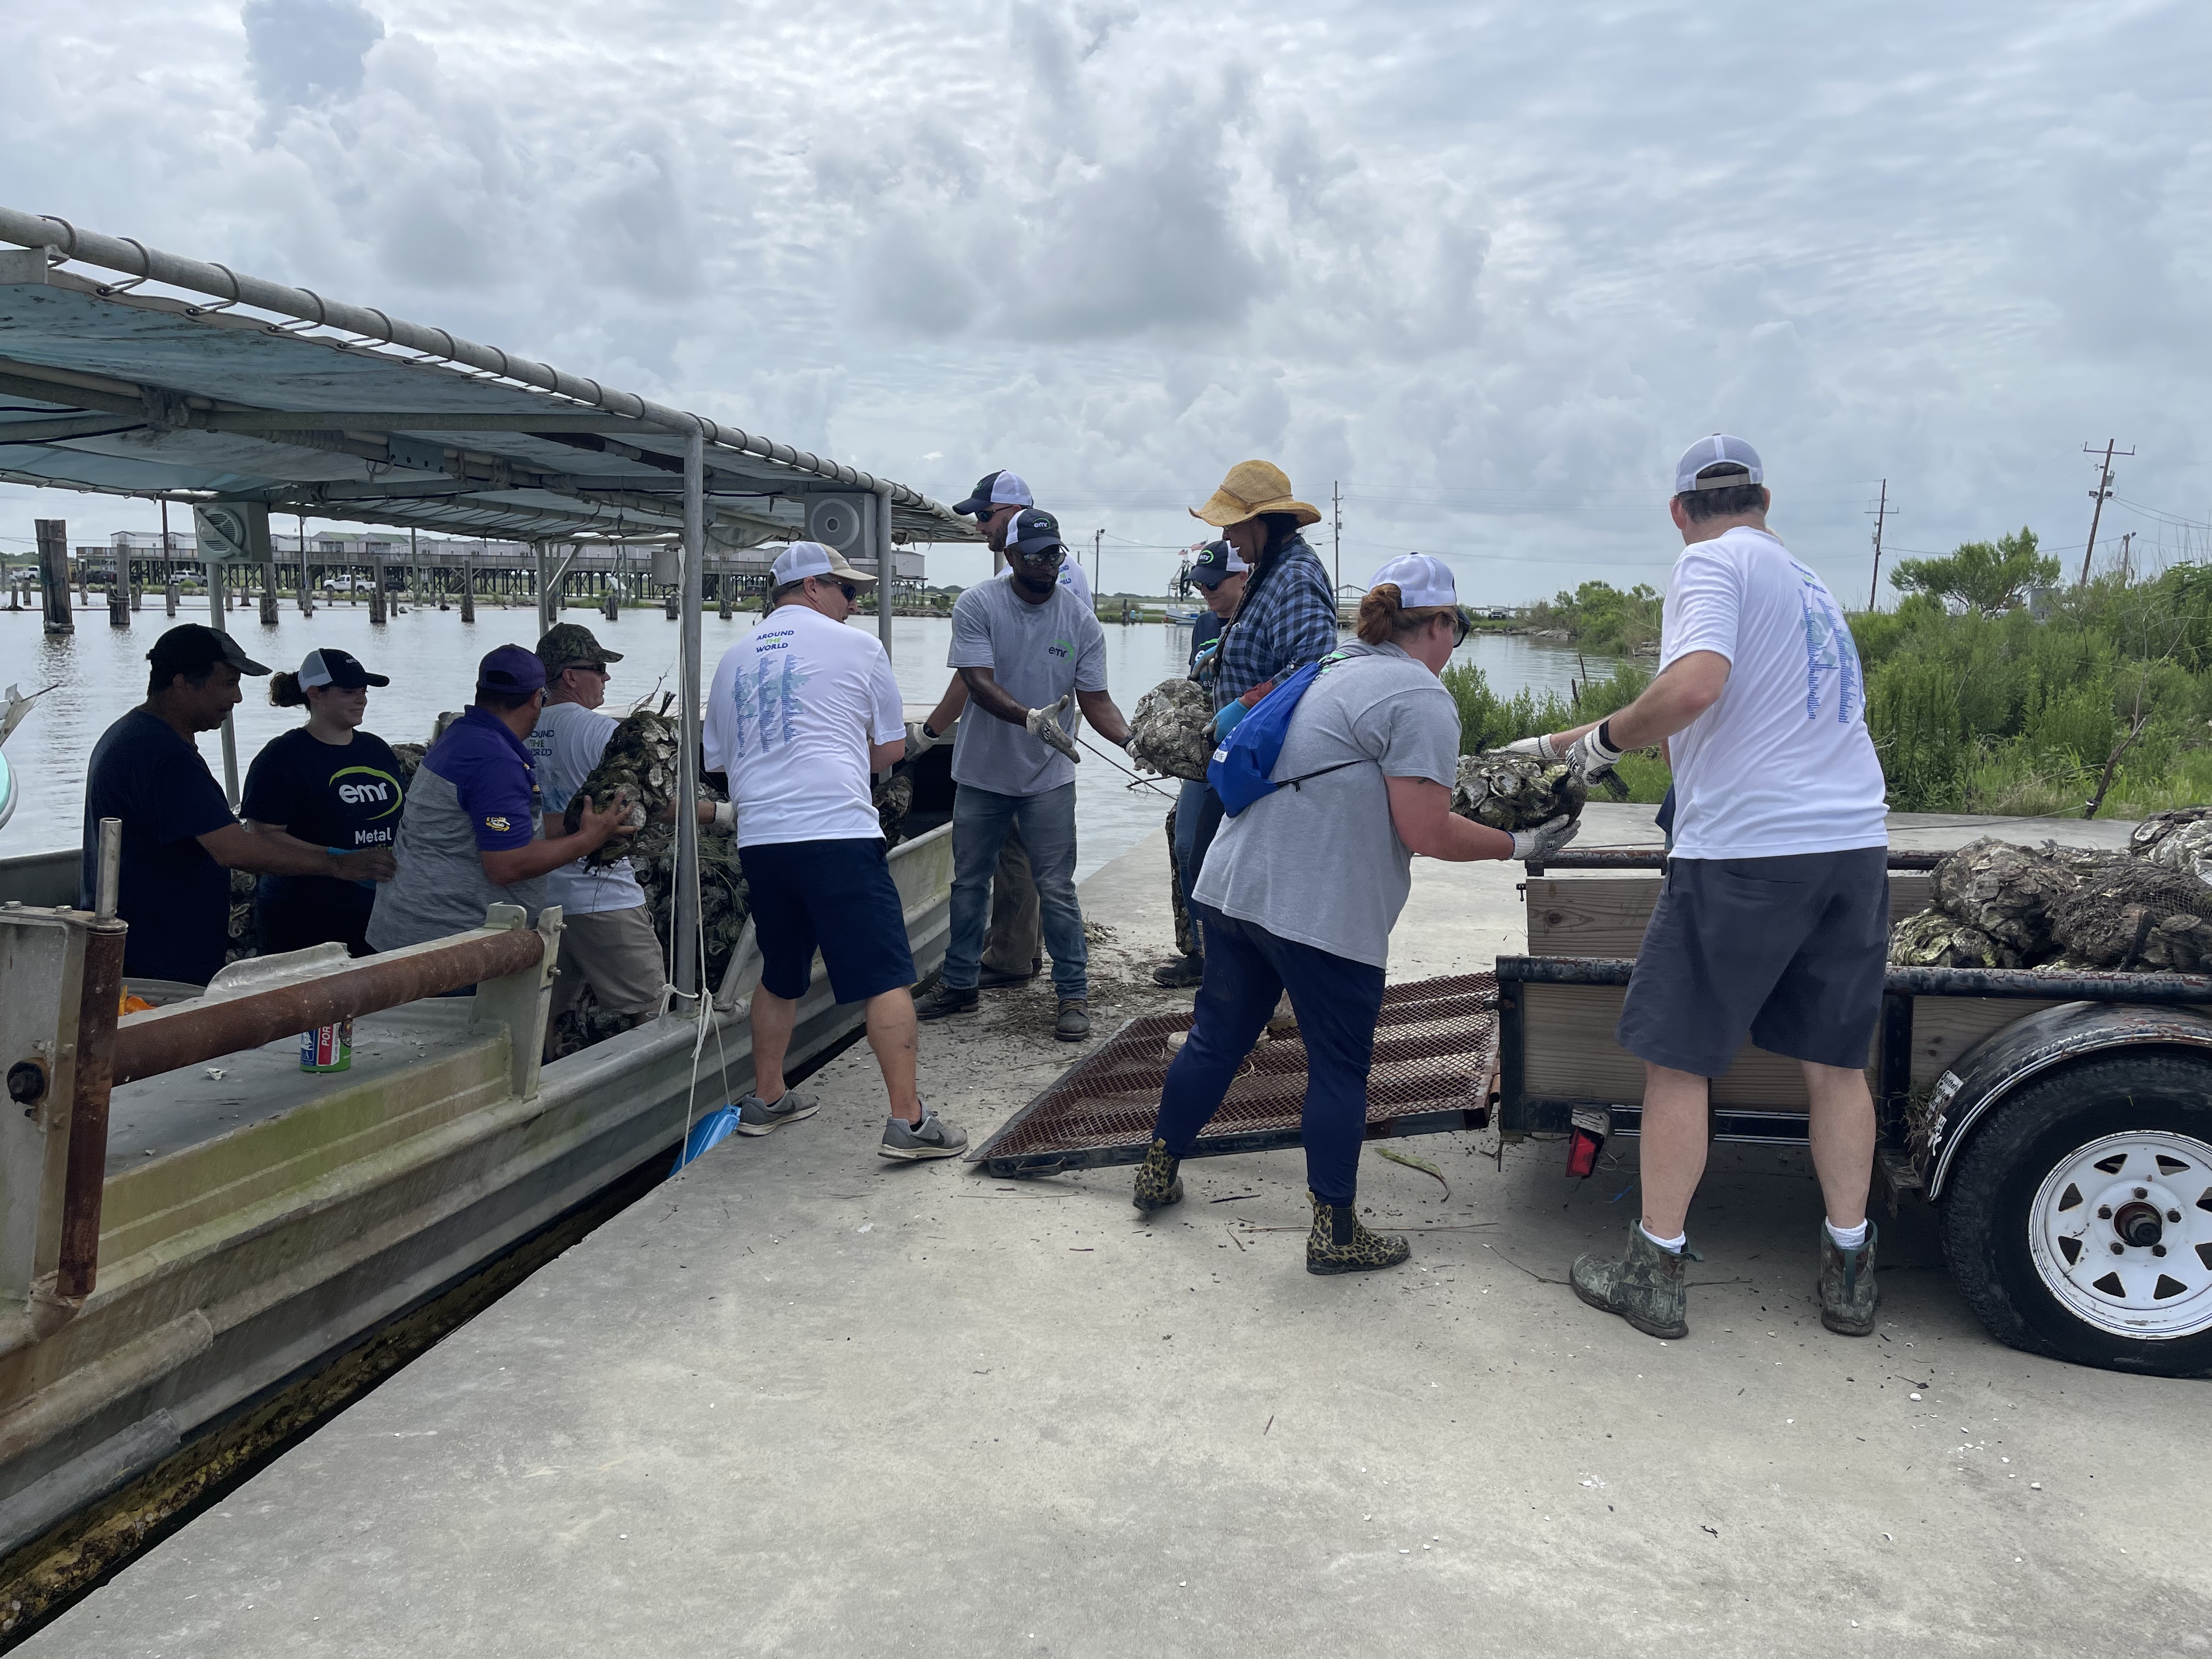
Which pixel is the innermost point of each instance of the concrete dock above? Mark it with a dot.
(802, 1401)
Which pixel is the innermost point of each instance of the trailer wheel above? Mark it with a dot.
(2078, 1220)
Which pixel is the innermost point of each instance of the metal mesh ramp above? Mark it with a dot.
(1436, 1049)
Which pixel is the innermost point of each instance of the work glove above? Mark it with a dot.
(1593, 763)
(920, 739)
(1044, 725)
(1208, 662)
(1540, 746)
(1535, 846)
(1226, 721)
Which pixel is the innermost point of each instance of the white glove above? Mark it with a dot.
(1589, 757)
(1535, 846)
(726, 817)
(1540, 746)
(920, 739)
(1044, 725)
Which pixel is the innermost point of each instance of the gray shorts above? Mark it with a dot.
(1788, 951)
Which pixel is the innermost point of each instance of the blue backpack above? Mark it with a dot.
(1239, 771)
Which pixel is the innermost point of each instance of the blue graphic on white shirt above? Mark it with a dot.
(1829, 651)
(766, 692)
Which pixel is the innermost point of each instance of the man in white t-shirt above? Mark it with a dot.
(607, 938)
(803, 712)
(1774, 922)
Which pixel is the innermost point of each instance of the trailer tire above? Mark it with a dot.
(2120, 1140)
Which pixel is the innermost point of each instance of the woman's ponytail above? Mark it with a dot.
(284, 689)
(1384, 618)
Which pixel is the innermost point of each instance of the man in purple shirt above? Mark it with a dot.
(466, 837)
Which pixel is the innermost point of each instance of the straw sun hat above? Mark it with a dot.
(1253, 487)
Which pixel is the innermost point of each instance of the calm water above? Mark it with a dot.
(430, 656)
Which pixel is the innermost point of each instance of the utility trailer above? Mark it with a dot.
(2059, 1121)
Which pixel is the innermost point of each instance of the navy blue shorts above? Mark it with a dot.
(836, 896)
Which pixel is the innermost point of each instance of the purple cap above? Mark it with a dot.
(512, 669)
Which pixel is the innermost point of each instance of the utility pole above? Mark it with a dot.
(1097, 566)
(1881, 513)
(2127, 543)
(1336, 514)
(2100, 495)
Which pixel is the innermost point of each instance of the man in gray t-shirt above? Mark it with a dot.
(1027, 648)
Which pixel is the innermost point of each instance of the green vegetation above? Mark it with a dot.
(1600, 617)
(1986, 578)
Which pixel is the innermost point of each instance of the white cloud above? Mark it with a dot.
(1489, 266)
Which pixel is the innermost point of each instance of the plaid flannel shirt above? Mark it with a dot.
(1289, 621)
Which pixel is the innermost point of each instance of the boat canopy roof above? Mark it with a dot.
(128, 371)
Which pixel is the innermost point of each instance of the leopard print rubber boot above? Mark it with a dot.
(1846, 1288)
(1158, 1183)
(1341, 1244)
(1647, 1286)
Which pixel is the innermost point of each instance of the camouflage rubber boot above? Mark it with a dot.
(1158, 1183)
(1648, 1286)
(1341, 1244)
(1848, 1296)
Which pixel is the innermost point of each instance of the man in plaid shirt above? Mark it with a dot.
(1286, 619)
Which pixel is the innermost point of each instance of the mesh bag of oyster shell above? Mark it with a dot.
(1172, 730)
(894, 798)
(640, 757)
(1932, 939)
(1514, 792)
(409, 757)
(2137, 915)
(2007, 892)
(2179, 840)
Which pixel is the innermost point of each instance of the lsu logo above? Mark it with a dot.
(500, 824)
(376, 789)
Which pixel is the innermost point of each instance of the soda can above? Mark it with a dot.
(327, 1048)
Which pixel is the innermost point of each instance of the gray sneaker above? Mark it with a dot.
(931, 1137)
(756, 1117)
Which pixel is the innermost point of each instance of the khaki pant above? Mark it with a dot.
(1015, 943)
(618, 955)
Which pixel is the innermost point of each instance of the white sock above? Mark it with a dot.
(1846, 1238)
(1672, 1246)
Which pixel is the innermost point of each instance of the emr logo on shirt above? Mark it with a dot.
(382, 789)
(1062, 648)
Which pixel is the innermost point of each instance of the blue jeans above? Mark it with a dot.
(981, 819)
(1187, 849)
(1337, 1001)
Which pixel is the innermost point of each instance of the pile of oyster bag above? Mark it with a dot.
(1515, 792)
(640, 763)
(1172, 730)
(1997, 905)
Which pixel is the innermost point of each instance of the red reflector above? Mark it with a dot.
(1582, 1148)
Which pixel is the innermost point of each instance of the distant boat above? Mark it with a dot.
(1182, 616)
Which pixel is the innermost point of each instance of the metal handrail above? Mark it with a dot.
(1654, 858)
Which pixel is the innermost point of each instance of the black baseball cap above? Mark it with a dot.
(1032, 531)
(328, 666)
(1216, 562)
(994, 490)
(193, 648)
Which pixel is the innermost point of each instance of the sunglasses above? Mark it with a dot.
(1462, 625)
(1052, 555)
(852, 593)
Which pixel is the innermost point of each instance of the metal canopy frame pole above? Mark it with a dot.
(219, 619)
(886, 573)
(686, 927)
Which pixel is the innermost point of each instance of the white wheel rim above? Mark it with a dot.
(2121, 1232)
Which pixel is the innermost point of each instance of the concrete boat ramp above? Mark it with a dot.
(801, 1400)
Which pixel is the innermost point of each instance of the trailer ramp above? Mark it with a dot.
(1436, 1052)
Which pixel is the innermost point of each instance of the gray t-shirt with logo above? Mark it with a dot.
(1039, 653)
(1322, 864)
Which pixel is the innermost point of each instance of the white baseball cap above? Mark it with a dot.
(994, 490)
(803, 559)
(1719, 450)
(1422, 578)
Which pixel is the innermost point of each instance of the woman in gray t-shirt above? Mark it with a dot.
(1300, 891)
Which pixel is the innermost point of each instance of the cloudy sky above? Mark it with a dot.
(1491, 266)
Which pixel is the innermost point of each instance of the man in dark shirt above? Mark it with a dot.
(181, 838)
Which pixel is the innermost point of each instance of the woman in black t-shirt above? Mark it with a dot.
(331, 785)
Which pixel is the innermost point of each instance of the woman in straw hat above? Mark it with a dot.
(1303, 887)
(1286, 619)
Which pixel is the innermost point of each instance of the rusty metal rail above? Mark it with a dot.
(187, 1033)
(1435, 1049)
(1654, 858)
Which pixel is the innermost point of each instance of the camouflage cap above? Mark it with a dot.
(567, 644)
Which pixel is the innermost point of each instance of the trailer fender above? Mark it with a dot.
(1992, 1069)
